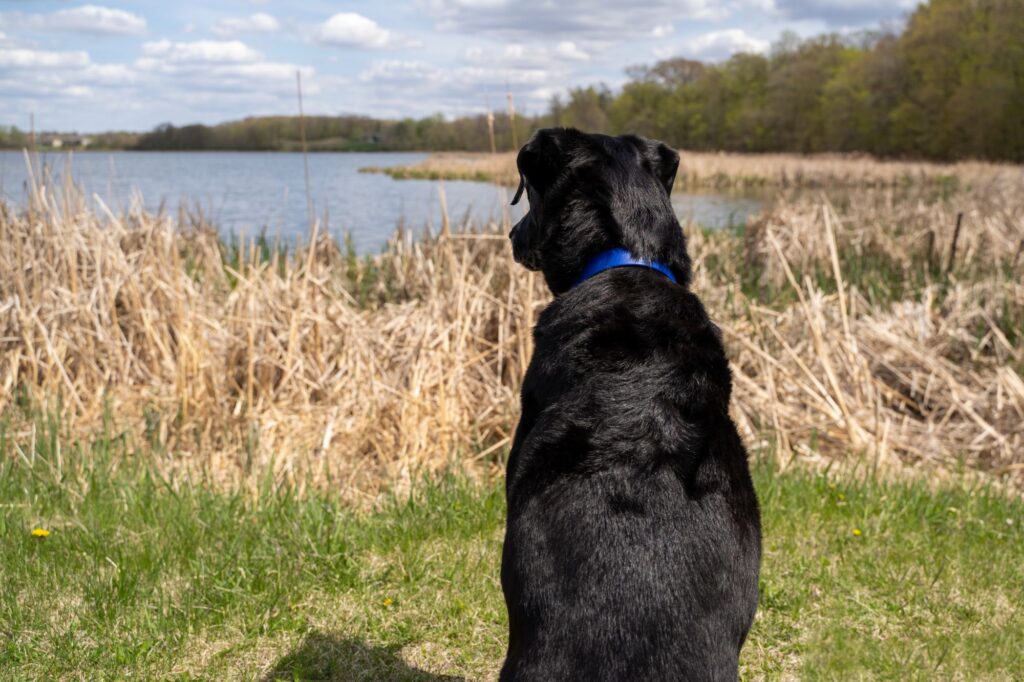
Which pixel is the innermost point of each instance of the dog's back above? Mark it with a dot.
(633, 540)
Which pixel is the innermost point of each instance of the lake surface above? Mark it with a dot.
(247, 192)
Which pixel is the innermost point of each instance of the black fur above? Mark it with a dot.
(633, 541)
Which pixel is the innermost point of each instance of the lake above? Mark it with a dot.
(247, 192)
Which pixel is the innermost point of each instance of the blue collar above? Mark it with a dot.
(617, 258)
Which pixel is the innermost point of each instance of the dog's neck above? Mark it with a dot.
(621, 258)
(578, 244)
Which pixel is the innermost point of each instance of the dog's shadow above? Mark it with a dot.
(327, 658)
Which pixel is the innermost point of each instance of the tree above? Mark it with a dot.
(589, 108)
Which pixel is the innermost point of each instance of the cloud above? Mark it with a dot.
(229, 65)
(260, 22)
(840, 13)
(180, 81)
(520, 55)
(398, 70)
(15, 58)
(58, 75)
(579, 20)
(568, 50)
(466, 79)
(90, 19)
(348, 29)
(722, 44)
(394, 87)
(208, 51)
(715, 46)
(616, 21)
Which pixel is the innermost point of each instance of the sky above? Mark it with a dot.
(119, 65)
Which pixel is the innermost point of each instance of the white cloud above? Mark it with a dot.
(260, 22)
(837, 13)
(227, 65)
(478, 4)
(58, 76)
(416, 87)
(348, 29)
(568, 50)
(717, 45)
(97, 19)
(178, 81)
(578, 20)
(92, 19)
(585, 21)
(14, 58)
(526, 56)
(852, 5)
(392, 70)
(216, 51)
(111, 74)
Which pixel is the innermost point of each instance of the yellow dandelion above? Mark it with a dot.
(856, 532)
(40, 532)
(387, 601)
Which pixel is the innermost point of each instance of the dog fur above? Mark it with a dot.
(633, 541)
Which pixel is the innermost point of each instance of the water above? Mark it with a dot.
(247, 192)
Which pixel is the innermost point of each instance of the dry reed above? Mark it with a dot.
(353, 375)
(722, 171)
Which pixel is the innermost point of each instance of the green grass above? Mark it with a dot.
(144, 577)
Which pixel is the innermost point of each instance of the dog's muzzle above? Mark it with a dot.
(523, 250)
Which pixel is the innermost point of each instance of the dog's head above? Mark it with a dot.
(589, 193)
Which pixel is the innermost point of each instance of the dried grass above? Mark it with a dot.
(721, 170)
(232, 364)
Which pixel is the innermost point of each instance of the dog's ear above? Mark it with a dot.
(540, 161)
(663, 160)
(667, 165)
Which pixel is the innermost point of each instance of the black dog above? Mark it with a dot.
(633, 542)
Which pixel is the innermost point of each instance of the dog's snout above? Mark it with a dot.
(512, 232)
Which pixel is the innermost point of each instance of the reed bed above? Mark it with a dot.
(233, 363)
(835, 378)
(854, 336)
(727, 171)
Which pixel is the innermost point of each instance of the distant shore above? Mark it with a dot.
(78, 150)
(729, 171)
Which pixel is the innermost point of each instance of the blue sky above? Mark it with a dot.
(132, 65)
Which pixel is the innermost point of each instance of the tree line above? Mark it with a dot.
(950, 85)
(341, 133)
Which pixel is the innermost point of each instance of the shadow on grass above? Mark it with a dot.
(327, 658)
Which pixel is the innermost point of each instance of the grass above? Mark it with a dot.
(148, 576)
(270, 463)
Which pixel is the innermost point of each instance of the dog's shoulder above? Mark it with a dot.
(632, 312)
(631, 328)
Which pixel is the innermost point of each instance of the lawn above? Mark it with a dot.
(144, 577)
